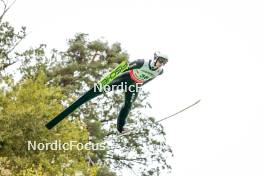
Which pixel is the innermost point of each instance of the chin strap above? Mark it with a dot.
(153, 64)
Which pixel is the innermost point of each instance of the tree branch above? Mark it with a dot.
(6, 8)
(16, 44)
(5, 65)
(135, 160)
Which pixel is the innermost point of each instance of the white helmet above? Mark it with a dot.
(161, 57)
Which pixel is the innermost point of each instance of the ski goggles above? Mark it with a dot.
(162, 60)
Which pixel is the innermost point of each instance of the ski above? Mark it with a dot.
(88, 95)
(165, 118)
(179, 111)
(113, 74)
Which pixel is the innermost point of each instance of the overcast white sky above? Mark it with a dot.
(216, 54)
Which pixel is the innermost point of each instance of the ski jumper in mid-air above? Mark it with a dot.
(138, 73)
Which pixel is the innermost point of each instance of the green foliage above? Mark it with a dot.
(24, 111)
(9, 39)
(104, 171)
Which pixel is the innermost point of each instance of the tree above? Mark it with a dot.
(9, 40)
(24, 111)
(24, 108)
